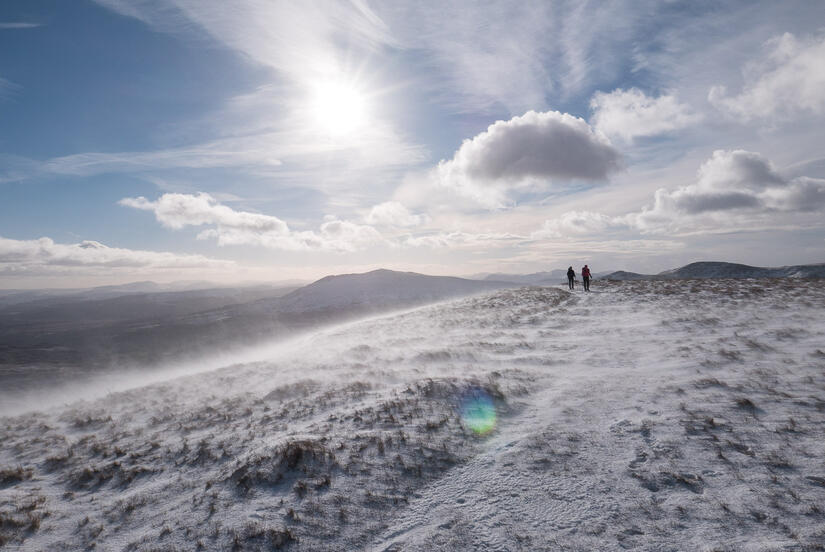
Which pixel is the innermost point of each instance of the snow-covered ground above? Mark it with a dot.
(649, 415)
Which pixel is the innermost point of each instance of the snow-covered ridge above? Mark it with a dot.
(709, 269)
(648, 415)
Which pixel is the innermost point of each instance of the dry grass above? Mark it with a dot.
(12, 476)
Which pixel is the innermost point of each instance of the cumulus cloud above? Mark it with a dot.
(788, 80)
(394, 214)
(631, 113)
(343, 235)
(26, 255)
(732, 189)
(733, 182)
(233, 227)
(534, 147)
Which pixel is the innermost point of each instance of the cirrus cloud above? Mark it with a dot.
(790, 79)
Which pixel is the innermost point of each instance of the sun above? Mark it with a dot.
(338, 108)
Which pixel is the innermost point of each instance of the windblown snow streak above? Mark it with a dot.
(646, 415)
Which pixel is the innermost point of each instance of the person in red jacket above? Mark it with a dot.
(586, 278)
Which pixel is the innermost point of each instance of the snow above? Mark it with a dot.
(646, 415)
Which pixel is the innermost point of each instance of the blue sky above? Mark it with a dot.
(201, 139)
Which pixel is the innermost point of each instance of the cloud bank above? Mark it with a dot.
(44, 253)
(529, 149)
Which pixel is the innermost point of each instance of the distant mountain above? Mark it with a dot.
(710, 269)
(18, 296)
(732, 270)
(536, 279)
(379, 289)
(624, 275)
(46, 334)
(88, 329)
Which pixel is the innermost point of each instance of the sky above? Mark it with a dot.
(257, 140)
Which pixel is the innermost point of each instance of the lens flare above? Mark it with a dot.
(478, 412)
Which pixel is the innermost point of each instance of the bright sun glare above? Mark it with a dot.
(338, 108)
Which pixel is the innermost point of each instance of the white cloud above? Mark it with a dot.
(459, 239)
(235, 152)
(506, 54)
(631, 113)
(287, 153)
(342, 235)
(511, 55)
(478, 59)
(299, 38)
(801, 194)
(232, 227)
(527, 150)
(578, 223)
(787, 81)
(273, 130)
(732, 186)
(8, 89)
(733, 190)
(18, 25)
(244, 151)
(179, 210)
(394, 214)
(28, 255)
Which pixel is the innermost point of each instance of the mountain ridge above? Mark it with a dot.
(378, 288)
(720, 269)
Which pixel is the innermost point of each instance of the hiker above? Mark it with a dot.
(571, 278)
(586, 278)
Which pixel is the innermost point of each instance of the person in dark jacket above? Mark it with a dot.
(586, 278)
(571, 278)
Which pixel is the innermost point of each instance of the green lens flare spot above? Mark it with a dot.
(479, 413)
